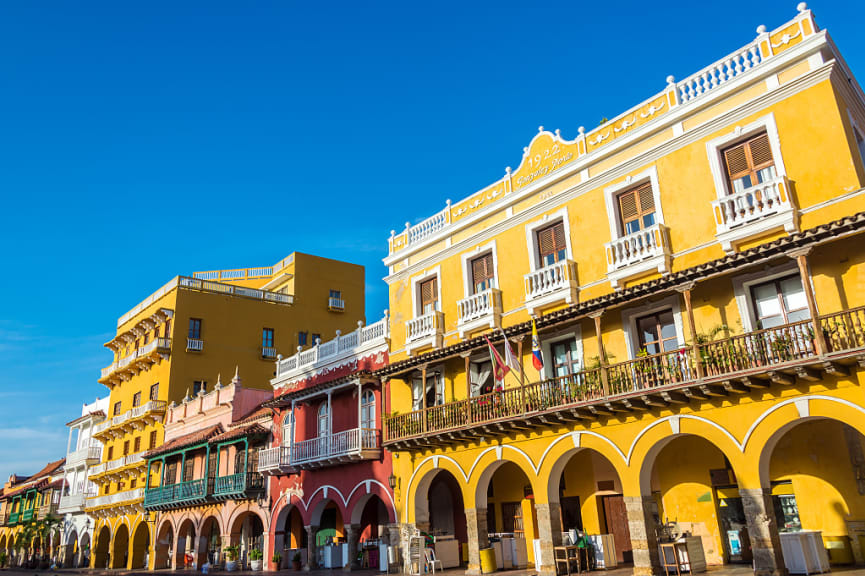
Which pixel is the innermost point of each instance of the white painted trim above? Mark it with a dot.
(467, 257)
(643, 432)
(780, 405)
(742, 290)
(415, 286)
(532, 236)
(575, 436)
(738, 133)
(630, 315)
(650, 174)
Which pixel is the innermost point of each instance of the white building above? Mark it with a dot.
(82, 453)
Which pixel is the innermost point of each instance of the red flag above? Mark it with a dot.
(499, 366)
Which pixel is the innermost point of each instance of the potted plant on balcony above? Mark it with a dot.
(277, 560)
(255, 556)
(295, 560)
(230, 558)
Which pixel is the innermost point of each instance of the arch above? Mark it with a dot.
(448, 514)
(210, 540)
(70, 553)
(120, 547)
(247, 532)
(163, 547)
(425, 471)
(488, 463)
(82, 559)
(140, 546)
(361, 494)
(288, 531)
(371, 514)
(185, 542)
(103, 547)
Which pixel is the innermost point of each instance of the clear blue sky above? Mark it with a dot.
(143, 140)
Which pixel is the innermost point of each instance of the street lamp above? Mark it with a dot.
(392, 481)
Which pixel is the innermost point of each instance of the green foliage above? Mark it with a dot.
(255, 554)
(231, 552)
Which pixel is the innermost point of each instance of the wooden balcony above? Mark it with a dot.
(736, 365)
(238, 486)
(170, 496)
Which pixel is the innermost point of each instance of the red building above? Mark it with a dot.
(332, 502)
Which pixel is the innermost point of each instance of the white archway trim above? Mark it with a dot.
(577, 439)
(327, 488)
(674, 425)
(499, 451)
(797, 402)
(435, 460)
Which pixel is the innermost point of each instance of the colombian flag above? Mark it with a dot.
(537, 357)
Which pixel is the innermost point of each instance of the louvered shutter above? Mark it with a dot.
(482, 270)
(761, 152)
(737, 161)
(746, 159)
(551, 240)
(428, 294)
(647, 199)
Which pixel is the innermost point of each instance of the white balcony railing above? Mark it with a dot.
(83, 455)
(549, 279)
(336, 304)
(116, 464)
(427, 326)
(342, 345)
(268, 352)
(116, 498)
(479, 305)
(752, 204)
(194, 345)
(346, 445)
(149, 406)
(636, 247)
(271, 460)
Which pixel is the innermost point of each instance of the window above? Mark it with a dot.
(154, 392)
(749, 163)
(133, 483)
(512, 517)
(779, 301)
(195, 328)
(483, 274)
(429, 295)
(657, 332)
(637, 208)
(323, 419)
(267, 337)
(316, 338)
(302, 338)
(151, 444)
(566, 359)
(367, 410)
(434, 390)
(110, 453)
(166, 330)
(552, 246)
(188, 469)
(336, 294)
(106, 488)
(117, 408)
(199, 386)
(136, 445)
(126, 447)
(481, 374)
(136, 400)
(288, 429)
(146, 338)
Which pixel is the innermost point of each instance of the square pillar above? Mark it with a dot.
(476, 527)
(642, 524)
(352, 535)
(763, 532)
(310, 547)
(550, 535)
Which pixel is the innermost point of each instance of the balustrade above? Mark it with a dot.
(480, 305)
(345, 444)
(426, 326)
(718, 73)
(752, 204)
(636, 247)
(549, 279)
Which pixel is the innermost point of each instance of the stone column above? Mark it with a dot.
(310, 547)
(550, 535)
(352, 533)
(476, 527)
(642, 524)
(762, 529)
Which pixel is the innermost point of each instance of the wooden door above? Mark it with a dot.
(616, 518)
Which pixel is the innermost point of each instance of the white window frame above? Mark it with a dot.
(468, 257)
(715, 146)
(532, 236)
(366, 406)
(415, 290)
(575, 333)
(439, 370)
(742, 290)
(325, 404)
(629, 322)
(632, 181)
(288, 422)
(860, 133)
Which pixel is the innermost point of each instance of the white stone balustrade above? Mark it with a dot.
(194, 345)
(636, 247)
(83, 455)
(751, 204)
(719, 72)
(552, 278)
(116, 498)
(352, 444)
(425, 326)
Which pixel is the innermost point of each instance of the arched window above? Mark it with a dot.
(367, 410)
(288, 429)
(323, 419)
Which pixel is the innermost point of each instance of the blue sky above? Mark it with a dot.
(143, 140)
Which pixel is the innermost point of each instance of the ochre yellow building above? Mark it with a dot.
(175, 344)
(696, 268)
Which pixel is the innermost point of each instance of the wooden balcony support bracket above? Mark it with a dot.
(801, 257)
(715, 390)
(652, 400)
(635, 404)
(695, 393)
(736, 387)
(751, 382)
(836, 369)
(806, 373)
(674, 397)
(781, 378)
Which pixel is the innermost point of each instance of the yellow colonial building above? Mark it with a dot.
(174, 345)
(696, 270)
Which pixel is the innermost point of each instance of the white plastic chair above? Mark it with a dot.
(431, 560)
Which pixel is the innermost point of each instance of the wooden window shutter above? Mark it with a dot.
(737, 161)
(761, 151)
(636, 203)
(647, 199)
(482, 268)
(747, 158)
(551, 239)
(428, 292)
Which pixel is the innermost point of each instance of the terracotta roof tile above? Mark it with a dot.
(191, 439)
(250, 430)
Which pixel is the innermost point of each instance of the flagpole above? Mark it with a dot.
(522, 372)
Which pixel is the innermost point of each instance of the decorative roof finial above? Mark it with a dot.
(236, 379)
(801, 7)
(187, 398)
(218, 382)
(671, 79)
(761, 29)
(540, 128)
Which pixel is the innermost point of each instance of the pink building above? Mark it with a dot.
(203, 481)
(331, 500)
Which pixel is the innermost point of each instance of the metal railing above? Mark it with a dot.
(766, 350)
(335, 446)
(238, 483)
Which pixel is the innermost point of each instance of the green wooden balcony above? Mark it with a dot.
(236, 486)
(176, 495)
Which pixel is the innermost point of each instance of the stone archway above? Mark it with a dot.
(120, 547)
(289, 535)
(163, 548)
(70, 552)
(140, 547)
(184, 553)
(209, 542)
(82, 559)
(103, 548)
(247, 532)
